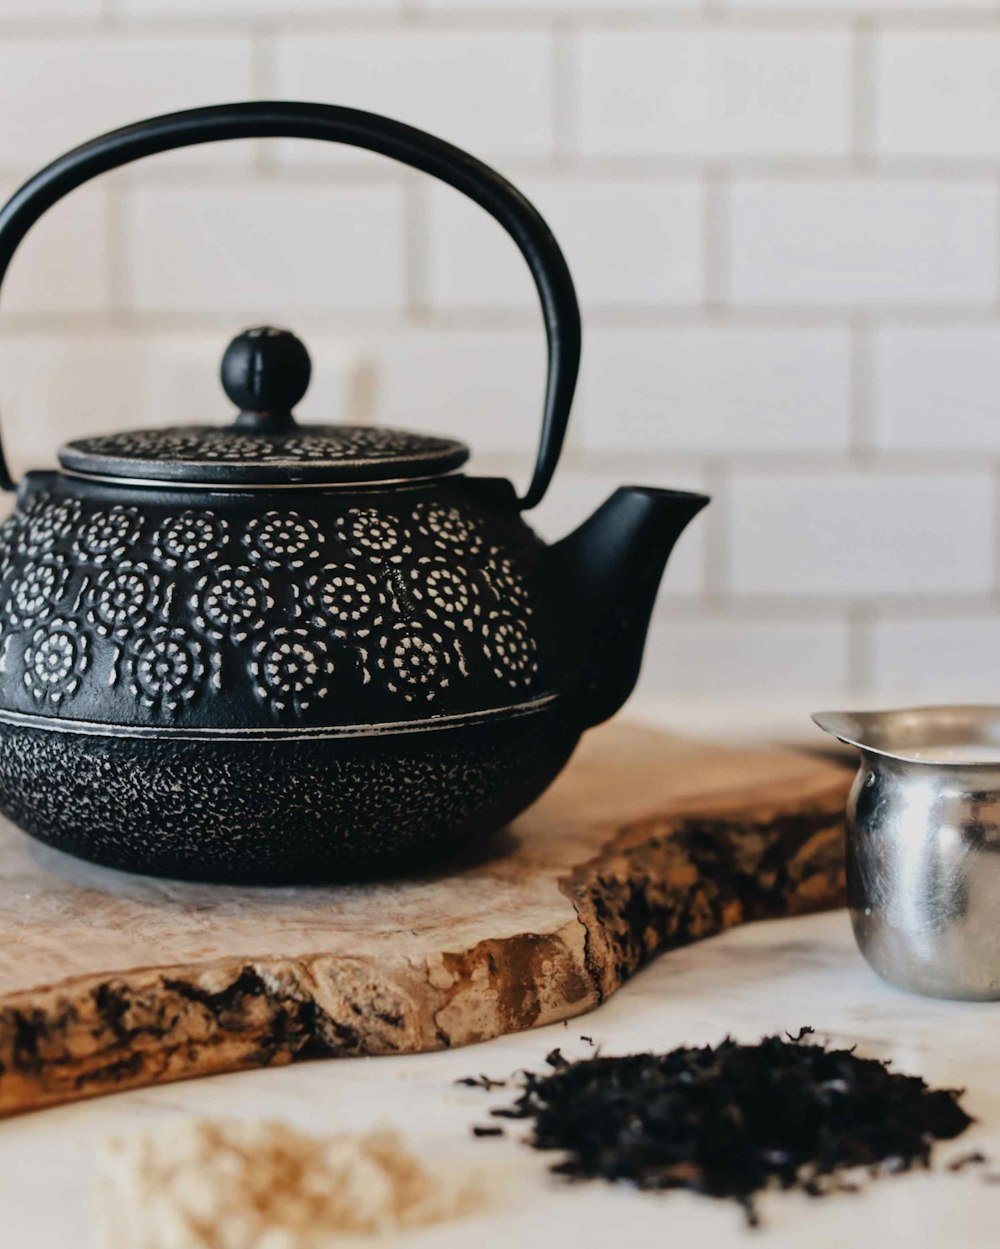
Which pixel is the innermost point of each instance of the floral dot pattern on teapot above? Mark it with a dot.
(202, 443)
(176, 608)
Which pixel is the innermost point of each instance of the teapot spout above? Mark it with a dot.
(606, 574)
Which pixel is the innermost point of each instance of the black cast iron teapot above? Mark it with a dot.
(270, 652)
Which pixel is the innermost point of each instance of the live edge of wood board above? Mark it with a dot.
(646, 842)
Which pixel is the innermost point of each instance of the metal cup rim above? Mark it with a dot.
(899, 733)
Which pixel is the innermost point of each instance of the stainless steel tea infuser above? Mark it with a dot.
(923, 845)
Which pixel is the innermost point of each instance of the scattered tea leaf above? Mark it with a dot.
(970, 1159)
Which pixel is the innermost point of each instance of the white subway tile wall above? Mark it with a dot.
(732, 660)
(872, 242)
(713, 92)
(784, 221)
(657, 260)
(264, 248)
(64, 257)
(937, 388)
(950, 658)
(940, 93)
(716, 388)
(19, 9)
(58, 91)
(487, 90)
(865, 533)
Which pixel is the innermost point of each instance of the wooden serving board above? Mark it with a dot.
(109, 981)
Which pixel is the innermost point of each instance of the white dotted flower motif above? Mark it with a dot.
(231, 603)
(107, 535)
(214, 444)
(8, 537)
(347, 599)
(506, 582)
(9, 531)
(511, 649)
(36, 591)
(283, 539)
(373, 535)
(164, 667)
(446, 592)
(155, 444)
(292, 667)
(43, 523)
(418, 663)
(348, 442)
(232, 447)
(448, 529)
(123, 599)
(189, 540)
(55, 660)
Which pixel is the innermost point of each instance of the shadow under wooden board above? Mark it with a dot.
(109, 981)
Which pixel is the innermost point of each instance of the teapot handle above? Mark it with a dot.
(394, 139)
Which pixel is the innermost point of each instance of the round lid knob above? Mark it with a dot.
(265, 372)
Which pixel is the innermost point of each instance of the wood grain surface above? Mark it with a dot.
(109, 981)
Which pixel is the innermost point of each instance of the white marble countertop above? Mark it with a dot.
(760, 979)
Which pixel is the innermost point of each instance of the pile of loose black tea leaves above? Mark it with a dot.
(731, 1120)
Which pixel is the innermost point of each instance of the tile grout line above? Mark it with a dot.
(837, 608)
(958, 173)
(861, 424)
(995, 534)
(717, 277)
(265, 159)
(529, 18)
(864, 94)
(416, 249)
(601, 318)
(860, 650)
(565, 127)
(996, 229)
(119, 271)
(717, 552)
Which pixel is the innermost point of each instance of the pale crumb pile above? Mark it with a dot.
(207, 1184)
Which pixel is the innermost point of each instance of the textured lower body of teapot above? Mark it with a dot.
(278, 810)
(923, 876)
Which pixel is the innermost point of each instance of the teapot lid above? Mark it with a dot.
(265, 372)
